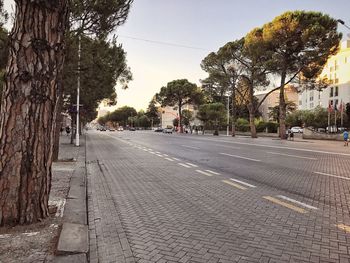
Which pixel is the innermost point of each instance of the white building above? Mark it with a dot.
(168, 114)
(337, 71)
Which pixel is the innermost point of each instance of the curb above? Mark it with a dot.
(73, 243)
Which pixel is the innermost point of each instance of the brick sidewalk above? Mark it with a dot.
(143, 208)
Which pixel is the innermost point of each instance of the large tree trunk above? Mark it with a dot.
(251, 110)
(28, 109)
(282, 107)
(180, 118)
(234, 112)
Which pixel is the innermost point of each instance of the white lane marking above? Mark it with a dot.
(191, 164)
(145, 150)
(291, 155)
(159, 155)
(240, 157)
(241, 182)
(184, 165)
(297, 202)
(212, 172)
(165, 154)
(176, 159)
(171, 160)
(191, 147)
(150, 149)
(332, 175)
(231, 147)
(205, 173)
(152, 152)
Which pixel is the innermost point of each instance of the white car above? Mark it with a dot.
(120, 129)
(168, 130)
(297, 129)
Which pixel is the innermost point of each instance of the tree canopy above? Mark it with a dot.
(178, 93)
(106, 62)
(295, 44)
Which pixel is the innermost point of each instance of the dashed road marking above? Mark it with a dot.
(176, 159)
(234, 184)
(171, 160)
(241, 182)
(295, 156)
(205, 173)
(191, 164)
(212, 172)
(344, 227)
(159, 155)
(297, 202)
(165, 155)
(152, 152)
(240, 157)
(191, 147)
(332, 175)
(279, 202)
(184, 165)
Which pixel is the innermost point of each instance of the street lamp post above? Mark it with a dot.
(78, 93)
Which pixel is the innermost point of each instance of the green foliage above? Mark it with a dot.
(212, 115)
(152, 113)
(187, 117)
(317, 118)
(103, 64)
(242, 125)
(274, 112)
(179, 93)
(272, 127)
(99, 17)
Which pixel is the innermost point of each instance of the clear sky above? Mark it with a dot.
(206, 24)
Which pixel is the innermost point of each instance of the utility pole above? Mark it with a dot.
(78, 94)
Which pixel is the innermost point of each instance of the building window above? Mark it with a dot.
(311, 105)
(336, 91)
(336, 103)
(311, 96)
(331, 92)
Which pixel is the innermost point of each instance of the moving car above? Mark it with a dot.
(297, 129)
(159, 129)
(168, 130)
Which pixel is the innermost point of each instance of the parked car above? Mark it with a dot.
(132, 129)
(111, 129)
(168, 130)
(159, 129)
(103, 129)
(120, 129)
(297, 129)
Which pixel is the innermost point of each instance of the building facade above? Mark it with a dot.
(337, 71)
(272, 100)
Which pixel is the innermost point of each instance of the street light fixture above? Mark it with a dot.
(343, 23)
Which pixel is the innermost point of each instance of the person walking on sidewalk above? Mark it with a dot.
(346, 137)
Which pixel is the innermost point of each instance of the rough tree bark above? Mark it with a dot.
(28, 109)
(234, 111)
(282, 106)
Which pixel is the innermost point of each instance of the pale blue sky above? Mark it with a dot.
(206, 24)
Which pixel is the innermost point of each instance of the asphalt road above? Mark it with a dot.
(193, 198)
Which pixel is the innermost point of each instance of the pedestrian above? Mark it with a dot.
(67, 130)
(346, 137)
(291, 135)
